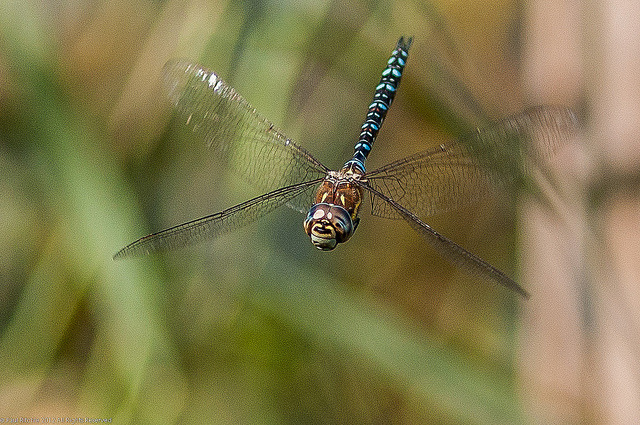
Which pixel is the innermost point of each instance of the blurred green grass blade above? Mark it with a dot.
(88, 203)
(48, 304)
(442, 380)
(91, 194)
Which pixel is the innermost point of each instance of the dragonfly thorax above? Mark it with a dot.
(334, 215)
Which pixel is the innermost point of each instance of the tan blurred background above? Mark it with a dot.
(260, 327)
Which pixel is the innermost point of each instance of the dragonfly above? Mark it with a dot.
(436, 180)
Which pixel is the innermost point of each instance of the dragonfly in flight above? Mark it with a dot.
(439, 179)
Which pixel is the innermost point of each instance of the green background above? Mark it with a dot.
(257, 326)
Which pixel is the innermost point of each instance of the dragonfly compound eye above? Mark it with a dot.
(328, 225)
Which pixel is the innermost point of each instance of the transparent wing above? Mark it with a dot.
(453, 175)
(430, 182)
(448, 249)
(241, 137)
(214, 225)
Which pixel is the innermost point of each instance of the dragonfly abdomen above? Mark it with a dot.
(382, 99)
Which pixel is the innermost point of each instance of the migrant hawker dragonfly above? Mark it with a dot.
(420, 185)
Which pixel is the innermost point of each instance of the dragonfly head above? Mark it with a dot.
(328, 225)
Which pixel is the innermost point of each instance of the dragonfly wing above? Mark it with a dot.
(450, 176)
(430, 182)
(511, 147)
(450, 250)
(242, 138)
(211, 226)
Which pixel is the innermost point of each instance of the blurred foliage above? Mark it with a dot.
(258, 326)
